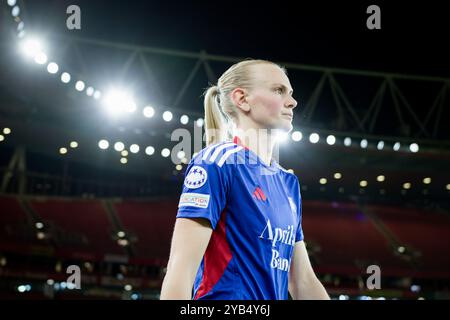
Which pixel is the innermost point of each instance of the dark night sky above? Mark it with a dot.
(412, 39)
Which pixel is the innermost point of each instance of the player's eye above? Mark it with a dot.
(279, 90)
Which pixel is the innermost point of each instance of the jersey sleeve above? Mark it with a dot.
(299, 233)
(205, 190)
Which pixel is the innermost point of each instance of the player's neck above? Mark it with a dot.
(261, 142)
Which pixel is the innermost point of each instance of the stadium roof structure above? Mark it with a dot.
(406, 112)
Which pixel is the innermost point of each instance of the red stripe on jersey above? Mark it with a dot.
(261, 193)
(216, 259)
(239, 142)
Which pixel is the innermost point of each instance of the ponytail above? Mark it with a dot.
(216, 122)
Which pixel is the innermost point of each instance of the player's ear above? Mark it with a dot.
(239, 98)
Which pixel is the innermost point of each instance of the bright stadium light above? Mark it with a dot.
(97, 94)
(80, 85)
(165, 152)
(407, 185)
(331, 140)
(6, 130)
(134, 148)
(41, 58)
(123, 160)
(364, 143)
(363, 183)
(414, 147)
(15, 11)
(65, 77)
(427, 180)
(90, 91)
(396, 146)
(52, 68)
(181, 154)
(73, 144)
(124, 153)
(12, 3)
(184, 119)
(297, 136)
(178, 167)
(30, 47)
(380, 178)
(20, 26)
(323, 181)
(149, 150)
(119, 146)
(167, 116)
(62, 150)
(2, 138)
(103, 144)
(380, 145)
(347, 142)
(148, 112)
(337, 175)
(200, 122)
(119, 101)
(314, 138)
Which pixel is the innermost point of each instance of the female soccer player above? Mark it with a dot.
(238, 232)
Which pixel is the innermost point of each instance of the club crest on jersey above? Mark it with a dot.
(196, 178)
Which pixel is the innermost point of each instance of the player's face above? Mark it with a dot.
(271, 100)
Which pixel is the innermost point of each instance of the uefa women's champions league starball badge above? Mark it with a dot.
(196, 178)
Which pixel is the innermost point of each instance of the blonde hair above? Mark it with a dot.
(219, 109)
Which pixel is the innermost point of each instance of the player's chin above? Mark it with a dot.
(285, 125)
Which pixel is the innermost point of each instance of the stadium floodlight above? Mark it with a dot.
(331, 140)
(167, 116)
(119, 146)
(134, 148)
(103, 144)
(181, 154)
(62, 150)
(52, 68)
(323, 181)
(149, 150)
(427, 180)
(337, 175)
(407, 185)
(40, 58)
(314, 138)
(15, 11)
(184, 119)
(80, 85)
(380, 145)
(90, 91)
(363, 183)
(396, 146)
(165, 152)
(12, 3)
(119, 101)
(73, 144)
(6, 130)
(380, 178)
(148, 111)
(200, 122)
(414, 147)
(347, 141)
(30, 47)
(297, 136)
(123, 160)
(97, 94)
(364, 143)
(65, 77)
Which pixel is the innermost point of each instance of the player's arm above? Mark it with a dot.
(303, 282)
(190, 239)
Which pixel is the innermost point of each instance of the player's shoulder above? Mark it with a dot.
(219, 154)
(289, 174)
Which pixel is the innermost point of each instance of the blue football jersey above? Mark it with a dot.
(255, 213)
